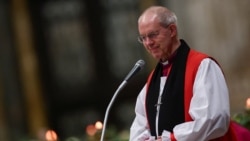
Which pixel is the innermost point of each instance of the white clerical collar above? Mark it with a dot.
(165, 63)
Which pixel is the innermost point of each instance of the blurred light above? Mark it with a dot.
(98, 125)
(91, 130)
(51, 135)
(248, 104)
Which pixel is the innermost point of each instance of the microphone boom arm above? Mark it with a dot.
(122, 85)
(138, 66)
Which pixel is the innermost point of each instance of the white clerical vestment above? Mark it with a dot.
(209, 109)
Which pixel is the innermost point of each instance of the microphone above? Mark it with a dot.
(137, 67)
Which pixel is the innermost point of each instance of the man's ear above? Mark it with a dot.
(173, 30)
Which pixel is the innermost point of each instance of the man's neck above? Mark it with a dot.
(176, 44)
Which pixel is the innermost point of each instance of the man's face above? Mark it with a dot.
(155, 38)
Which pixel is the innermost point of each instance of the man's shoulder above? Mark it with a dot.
(195, 55)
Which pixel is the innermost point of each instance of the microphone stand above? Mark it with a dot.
(122, 85)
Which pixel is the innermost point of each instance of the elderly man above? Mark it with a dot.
(186, 96)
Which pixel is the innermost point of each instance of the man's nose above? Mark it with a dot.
(148, 41)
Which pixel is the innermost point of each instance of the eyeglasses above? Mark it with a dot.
(151, 35)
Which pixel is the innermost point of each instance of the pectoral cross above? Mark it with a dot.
(158, 104)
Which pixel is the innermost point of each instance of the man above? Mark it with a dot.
(186, 97)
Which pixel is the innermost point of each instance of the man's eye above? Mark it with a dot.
(143, 37)
(152, 35)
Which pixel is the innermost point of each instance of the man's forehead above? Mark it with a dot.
(148, 17)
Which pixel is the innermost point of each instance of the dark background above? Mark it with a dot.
(61, 62)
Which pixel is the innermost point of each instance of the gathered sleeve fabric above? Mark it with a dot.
(209, 109)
